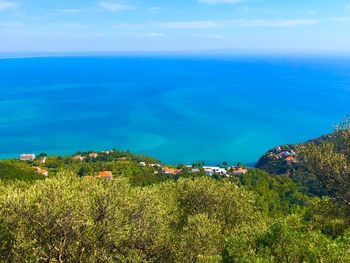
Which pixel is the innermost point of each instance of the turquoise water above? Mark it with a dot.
(178, 109)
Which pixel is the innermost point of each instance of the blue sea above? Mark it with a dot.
(178, 108)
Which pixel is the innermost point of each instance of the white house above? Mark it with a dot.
(155, 165)
(210, 170)
(27, 157)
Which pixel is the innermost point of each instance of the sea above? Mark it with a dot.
(177, 108)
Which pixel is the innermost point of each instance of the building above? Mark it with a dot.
(142, 163)
(171, 171)
(239, 170)
(78, 158)
(41, 171)
(290, 159)
(278, 149)
(155, 165)
(93, 155)
(27, 157)
(210, 170)
(107, 175)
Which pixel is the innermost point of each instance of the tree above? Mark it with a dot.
(327, 165)
(198, 164)
(327, 169)
(200, 240)
(342, 137)
(42, 155)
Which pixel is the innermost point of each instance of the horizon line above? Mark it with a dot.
(209, 52)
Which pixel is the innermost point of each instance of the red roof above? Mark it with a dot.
(290, 159)
(171, 170)
(240, 170)
(105, 174)
(41, 171)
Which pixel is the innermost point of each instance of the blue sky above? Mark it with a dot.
(174, 25)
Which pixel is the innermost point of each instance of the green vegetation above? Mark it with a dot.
(275, 194)
(69, 219)
(14, 170)
(327, 166)
(145, 215)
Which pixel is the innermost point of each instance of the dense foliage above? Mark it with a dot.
(326, 167)
(275, 194)
(13, 170)
(70, 219)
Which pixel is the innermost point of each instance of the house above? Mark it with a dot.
(172, 171)
(155, 165)
(210, 170)
(290, 159)
(192, 169)
(278, 149)
(41, 171)
(283, 155)
(142, 163)
(239, 170)
(107, 175)
(78, 158)
(93, 155)
(27, 157)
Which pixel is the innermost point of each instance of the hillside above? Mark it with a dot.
(283, 160)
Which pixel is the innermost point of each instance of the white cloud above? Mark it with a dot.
(129, 26)
(312, 12)
(75, 26)
(115, 7)
(146, 34)
(213, 2)
(209, 24)
(205, 24)
(10, 24)
(211, 36)
(341, 19)
(273, 23)
(69, 11)
(5, 5)
(154, 34)
(155, 8)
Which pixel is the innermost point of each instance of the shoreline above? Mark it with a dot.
(211, 163)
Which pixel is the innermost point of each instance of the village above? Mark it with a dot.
(281, 154)
(169, 170)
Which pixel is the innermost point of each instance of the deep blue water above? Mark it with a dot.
(178, 109)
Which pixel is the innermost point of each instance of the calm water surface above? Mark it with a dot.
(178, 109)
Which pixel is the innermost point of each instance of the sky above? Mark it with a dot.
(174, 25)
